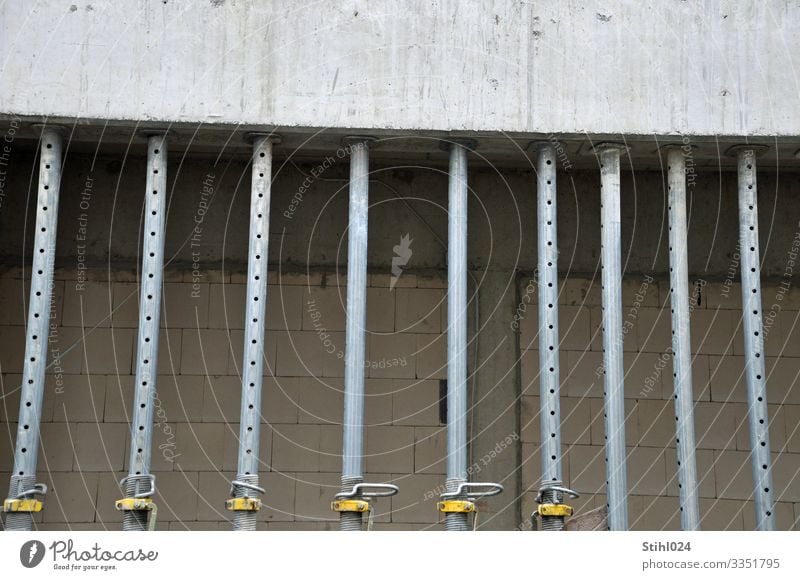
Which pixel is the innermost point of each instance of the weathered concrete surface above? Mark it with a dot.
(717, 67)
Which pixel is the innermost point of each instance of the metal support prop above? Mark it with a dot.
(457, 332)
(550, 493)
(21, 504)
(614, 390)
(351, 502)
(458, 500)
(245, 488)
(754, 337)
(140, 483)
(681, 339)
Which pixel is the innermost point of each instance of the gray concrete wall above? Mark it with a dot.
(716, 67)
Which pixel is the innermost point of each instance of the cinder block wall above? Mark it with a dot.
(85, 433)
(723, 452)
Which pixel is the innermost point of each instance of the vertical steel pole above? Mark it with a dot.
(551, 491)
(23, 479)
(548, 315)
(353, 436)
(140, 483)
(754, 337)
(614, 390)
(245, 487)
(681, 339)
(457, 331)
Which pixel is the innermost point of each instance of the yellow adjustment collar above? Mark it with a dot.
(456, 506)
(350, 505)
(131, 504)
(554, 509)
(243, 504)
(22, 505)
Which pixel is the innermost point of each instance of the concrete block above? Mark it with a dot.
(574, 326)
(389, 449)
(792, 418)
(71, 497)
(416, 502)
(733, 475)
(81, 398)
(184, 306)
(226, 306)
(301, 354)
(431, 355)
(12, 348)
(14, 297)
(727, 379)
(205, 352)
(319, 400)
(87, 305)
(416, 403)
(430, 450)
(285, 308)
(169, 351)
(659, 514)
(783, 380)
(721, 515)
(701, 379)
(295, 448)
(56, 447)
(384, 280)
(176, 495)
(582, 375)
(199, 446)
(587, 469)
(279, 500)
(713, 332)
(221, 398)
(330, 448)
(786, 476)
(647, 471)
(419, 310)
(313, 495)
(716, 425)
(722, 296)
(576, 421)
(378, 403)
(119, 398)
(380, 310)
(108, 492)
(181, 398)
(279, 399)
(580, 292)
(213, 488)
(100, 446)
(789, 342)
(656, 420)
(653, 330)
(324, 308)
(109, 350)
(392, 356)
(645, 374)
